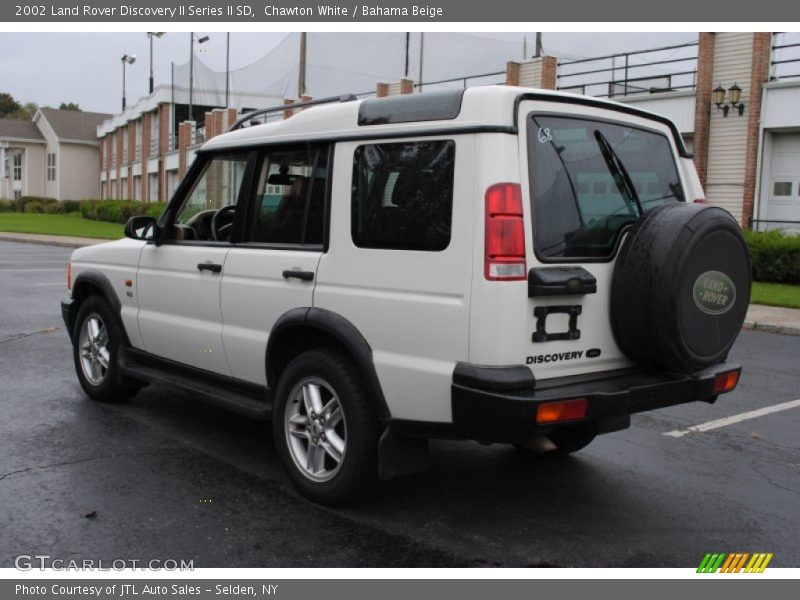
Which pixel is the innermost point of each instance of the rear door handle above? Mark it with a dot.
(301, 275)
(214, 268)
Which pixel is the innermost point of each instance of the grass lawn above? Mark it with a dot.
(775, 294)
(70, 224)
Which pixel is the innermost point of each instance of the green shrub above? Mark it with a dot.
(71, 206)
(118, 211)
(9, 206)
(34, 207)
(155, 209)
(23, 202)
(112, 211)
(775, 255)
(87, 209)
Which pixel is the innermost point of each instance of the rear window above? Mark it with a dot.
(589, 179)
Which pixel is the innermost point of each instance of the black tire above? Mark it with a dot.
(681, 287)
(351, 477)
(113, 387)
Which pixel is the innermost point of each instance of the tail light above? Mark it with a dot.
(700, 201)
(505, 233)
(69, 275)
(562, 410)
(726, 382)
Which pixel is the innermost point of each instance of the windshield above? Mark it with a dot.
(591, 178)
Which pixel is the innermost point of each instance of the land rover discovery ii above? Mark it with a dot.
(497, 264)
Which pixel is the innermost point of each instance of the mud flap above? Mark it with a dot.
(400, 454)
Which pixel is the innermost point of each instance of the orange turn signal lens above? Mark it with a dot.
(562, 410)
(725, 382)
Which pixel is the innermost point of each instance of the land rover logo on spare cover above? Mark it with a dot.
(714, 293)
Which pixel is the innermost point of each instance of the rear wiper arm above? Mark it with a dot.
(617, 168)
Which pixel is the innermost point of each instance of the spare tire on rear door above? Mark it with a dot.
(681, 287)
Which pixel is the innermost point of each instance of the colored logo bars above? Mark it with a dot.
(734, 563)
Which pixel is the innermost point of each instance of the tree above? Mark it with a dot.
(30, 108)
(69, 106)
(9, 108)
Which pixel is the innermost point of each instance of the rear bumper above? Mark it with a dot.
(484, 412)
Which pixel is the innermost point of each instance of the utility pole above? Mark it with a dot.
(201, 40)
(227, 68)
(408, 39)
(172, 108)
(538, 44)
(421, 54)
(191, 72)
(301, 79)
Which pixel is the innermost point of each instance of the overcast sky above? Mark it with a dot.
(50, 68)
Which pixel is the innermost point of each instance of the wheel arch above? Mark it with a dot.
(94, 283)
(302, 329)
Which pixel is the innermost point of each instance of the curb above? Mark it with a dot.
(771, 328)
(49, 241)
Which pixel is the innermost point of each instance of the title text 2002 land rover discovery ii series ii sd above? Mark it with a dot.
(497, 264)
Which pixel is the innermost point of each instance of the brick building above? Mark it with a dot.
(145, 150)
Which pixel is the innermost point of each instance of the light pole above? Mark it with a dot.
(151, 35)
(192, 40)
(127, 59)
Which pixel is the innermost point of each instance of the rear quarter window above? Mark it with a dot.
(402, 197)
(589, 179)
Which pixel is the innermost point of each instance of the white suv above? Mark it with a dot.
(499, 264)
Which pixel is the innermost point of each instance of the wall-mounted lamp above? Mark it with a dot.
(735, 99)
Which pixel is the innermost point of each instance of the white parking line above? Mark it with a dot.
(734, 419)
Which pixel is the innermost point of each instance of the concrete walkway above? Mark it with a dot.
(759, 317)
(50, 240)
(773, 318)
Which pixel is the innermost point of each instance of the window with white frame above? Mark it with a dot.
(51, 166)
(17, 167)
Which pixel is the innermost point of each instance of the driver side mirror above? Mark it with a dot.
(141, 228)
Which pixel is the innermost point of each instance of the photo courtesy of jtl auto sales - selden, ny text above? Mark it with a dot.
(399, 300)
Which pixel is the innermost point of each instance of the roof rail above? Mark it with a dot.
(263, 111)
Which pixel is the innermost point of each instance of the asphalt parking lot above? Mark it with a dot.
(167, 478)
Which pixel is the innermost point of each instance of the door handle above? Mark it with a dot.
(214, 268)
(301, 275)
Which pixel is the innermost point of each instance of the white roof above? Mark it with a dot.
(485, 106)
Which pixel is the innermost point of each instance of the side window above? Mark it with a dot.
(218, 186)
(402, 196)
(290, 198)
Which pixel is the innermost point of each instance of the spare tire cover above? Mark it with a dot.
(681, 287)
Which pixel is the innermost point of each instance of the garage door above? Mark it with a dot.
(783, 186)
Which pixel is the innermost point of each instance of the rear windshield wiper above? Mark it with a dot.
(618, 170)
